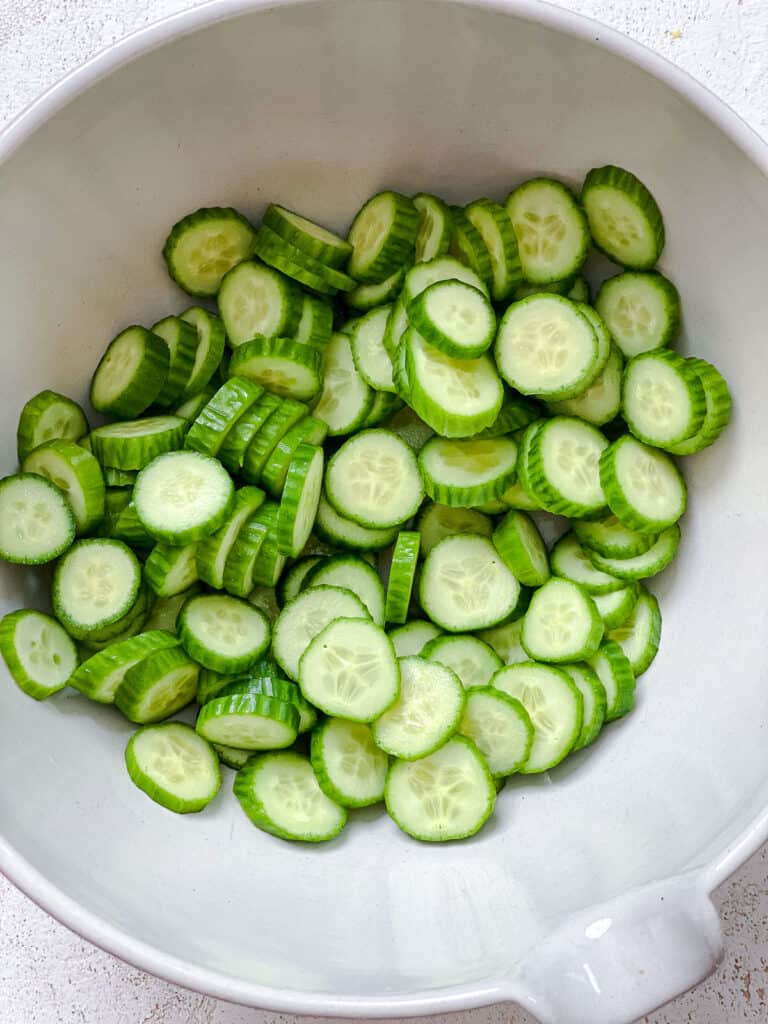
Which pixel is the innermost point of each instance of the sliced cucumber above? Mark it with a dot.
(49, 416)
(309, 433)
(174, 766)
(371, 358)
(382, 236)
(191, 407)
(316, 241)
(257, 300)
(95, 584)
(649, 563)
(213, 550)
(131, 373)
(570, 561)
(468, 246)
(663, 400)
(641, 310)
(75, 472)
(99, 676)
(211, 342)
(473, 661)
(305, 616)
(610, 538)
(316, 324)
(240, 562)
(717, 409)
(643, 487)
(223, 633)
(595, 702)
(271, 561)
(352, 573)
(366, 297)
(522, 549)
(183, 496)
(624, 220)
(346, 399)
(516, 497)
(467, 473)
(454, 317)
(181, 339)
(426, 713)
(438, 521)
(171, 570)
(343, 533)
(384, 404)
(601, 402)
(614, 671)
(500, 727)
(204, 245)
(37, 652)
(301, 496)
(515, 413)
(562, 623)
(402, 573)
(296, 265)
(439, 268)
(287, 415)
(639, 635)
(214, 422)
(290, 582)
(615, 608)
(435, 227)
(249, 720)
(157, 686)
(166, 610)
(494, 225)
(413, 637)
(239, 437)
(505, 641)
(281, 365)
(133, 444)
(350, 768)
(564, 466)
(550, 228)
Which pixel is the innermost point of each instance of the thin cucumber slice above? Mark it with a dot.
(366, 297)
(467, 245)
(384, 404)
(204, 245)
(555, 706)
(241, 559)
(564, 466)
(171, 570)
(523, 475)
(95, 584)
(346, 399)
(413, 637)
(223, 633)
(174, 766)
(181, 339)
(610, 538)
(249, 721)
(663, 400)
(500, 727)
(307, 433)
(213, 550)
(257, 300)
(133, 444)
(400, 371)
(649, 563)
(191, 407)
(426, 713)
(296, 265)
(281, 365)
(454, 317)
(717, 413)
(211, 342)
(350, 768)
(232, 757)
(615, 608)
(281, 795)
(99, 676)
(448, 795)
(547, 347)
(413, 430)
(595, 702)
(465, 585)
(301, 497)
(316, 241)
(212, 425)
(562, 623)
(493, 223)
(166, 610)
(402, 573)
(639, 635)
(374, 480)
(641, 310)
(305, 616)
(643, 487)
(290, 582)
(349, 670)
(439, 268)
(614, 671)
(467, 473)
(456, 397)
(37, 651)
(130, 625)
(267, 438)
(435, 227)
(437, 521)
(117, 498)
(355, 574)
(210, 684)
(157, 686)
(129, 528)
(183, 496)
(316, 323)
(624, 220)
(515, 413)
(130, 374)
(563, 287)
(382, 236)
(371, 358)
(261, 681)
(397, 324)
(516, 497)
(343, 533)
(49, 416)
(570, 561)
(473, 661)
(239, 437)
(75, 472)
(505, 641)
(550, 228)
(270, 561)
(265, 599)
(522, 549)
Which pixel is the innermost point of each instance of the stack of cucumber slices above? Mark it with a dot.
(318, 512)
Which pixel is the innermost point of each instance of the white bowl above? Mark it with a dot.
(586, 898)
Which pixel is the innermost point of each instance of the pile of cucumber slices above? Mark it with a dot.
(318, 506)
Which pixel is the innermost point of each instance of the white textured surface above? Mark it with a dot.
(47, 976)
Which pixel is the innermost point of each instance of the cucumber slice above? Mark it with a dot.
(307, 433)
(132, 445)
(249, 721)
(570, 561)
(413, 637)
(157, 686)
(129, 528)
(183, 496)
(505, 641)
(366, 297)
(468, 246)
(500, 727)
(643, 487)
(297, 265)
(564, 466)
(290, 583)
(223, 633)
(717, 413)
(262, 681)
(130, 374)
(515, 413)
(402, 573)
(49, 416)
(281, 795)
(343, 533)
(473, 661)
(351, 573)
(191, 408)
(37, 652)
(211, 342)
(493, 223)
(522, 549)
(174, 766)
(316, 241)
(231, 756)
(456, 397)
(212, 551)
(166, 610)
(95, 584)
(382, 236)
(610, 538)
(435, 231)
(426, 713)
(624, 220)
(265, 599)
(181, 339)
(641, 310)
(371, 358)
(117, 498)
(397, 324)
(131, 624)
(210, 684)
(99, 676)
(649, 563)
(594, 699)
(204, 245)
(284, 367)
(437, 521)
(465, 585)
(212, 425)
(550, 228)
(614, 671)
(240, 562)
(615, 608)
(463, 473)
(374, 480)
(563, 287)
(271, 433)
(346, 399)
(413, 430)
(663, 400)
(639, 635)
(562, 623)
(305, 616)
(258, 300)
(75, 472)
(454, 317)
(171, 570)
(516, 497)
(384, 404)
(350, 768)
(316, 323)
(270, 561)
(439, 268)
(239, 437)
(555, 706)
(349, 670)
(301, 496)
(546, 346)
(448, 795)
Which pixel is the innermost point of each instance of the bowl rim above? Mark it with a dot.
(13, 865)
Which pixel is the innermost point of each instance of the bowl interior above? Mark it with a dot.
(318, 106)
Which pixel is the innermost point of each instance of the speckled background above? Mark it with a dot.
(47, 975)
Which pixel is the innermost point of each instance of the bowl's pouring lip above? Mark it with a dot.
(12, 864)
